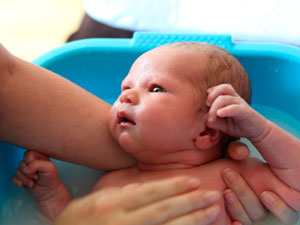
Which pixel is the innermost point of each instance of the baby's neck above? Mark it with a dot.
(179, 160)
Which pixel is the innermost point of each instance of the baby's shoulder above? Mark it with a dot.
(249, 163)
(248, 168)
(117, 178)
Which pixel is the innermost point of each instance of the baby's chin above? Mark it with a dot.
(127, 144)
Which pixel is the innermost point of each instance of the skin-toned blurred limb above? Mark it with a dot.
(43, 111)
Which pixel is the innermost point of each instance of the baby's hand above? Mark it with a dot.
(232, 115)
(37, 174)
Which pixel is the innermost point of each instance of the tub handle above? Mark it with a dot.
(149, 40)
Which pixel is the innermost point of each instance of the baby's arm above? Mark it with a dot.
(39, 176)
(230, 114)
(42, 110)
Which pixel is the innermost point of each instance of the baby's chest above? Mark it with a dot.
(210, 177)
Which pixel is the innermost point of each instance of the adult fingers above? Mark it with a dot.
(235, 209)
(238, 150)
(244, 193)
(279, 208)
(200, 217)
(155, 191)
(180, 206)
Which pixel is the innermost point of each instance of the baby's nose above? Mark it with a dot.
(129, 96)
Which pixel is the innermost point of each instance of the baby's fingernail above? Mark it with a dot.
(211, 196)
(212, 212)
(268, 198)
(229, 176)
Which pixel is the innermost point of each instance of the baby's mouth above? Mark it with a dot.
(124, 119)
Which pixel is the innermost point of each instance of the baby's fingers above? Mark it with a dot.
(224, 106)
(222, 89)
(156, 191)
(40, 166)
(31, 155)
(21, 180)
(17, 182)
(26, 170)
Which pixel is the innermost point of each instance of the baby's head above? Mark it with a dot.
(215, 66)
(160, 116)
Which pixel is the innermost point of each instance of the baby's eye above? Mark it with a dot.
(156, 88)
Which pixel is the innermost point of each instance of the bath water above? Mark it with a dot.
(20, 208)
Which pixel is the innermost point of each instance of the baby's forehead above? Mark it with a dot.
(177, 56)
(175, 61)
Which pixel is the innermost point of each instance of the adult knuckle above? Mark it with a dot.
(152, 193)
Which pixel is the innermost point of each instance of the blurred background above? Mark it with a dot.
(32, 27)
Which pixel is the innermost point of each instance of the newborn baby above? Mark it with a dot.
(180, 105)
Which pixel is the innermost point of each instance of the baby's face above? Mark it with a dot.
(156, 111)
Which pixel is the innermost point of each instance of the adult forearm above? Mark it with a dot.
(43, 111)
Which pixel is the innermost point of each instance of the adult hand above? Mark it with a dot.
(242, 203)
(168, 202)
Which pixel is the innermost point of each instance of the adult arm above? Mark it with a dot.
(41, 110)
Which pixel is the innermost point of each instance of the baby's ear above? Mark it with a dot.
(207, 139)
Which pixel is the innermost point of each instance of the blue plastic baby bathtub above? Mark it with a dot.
(99, 65)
